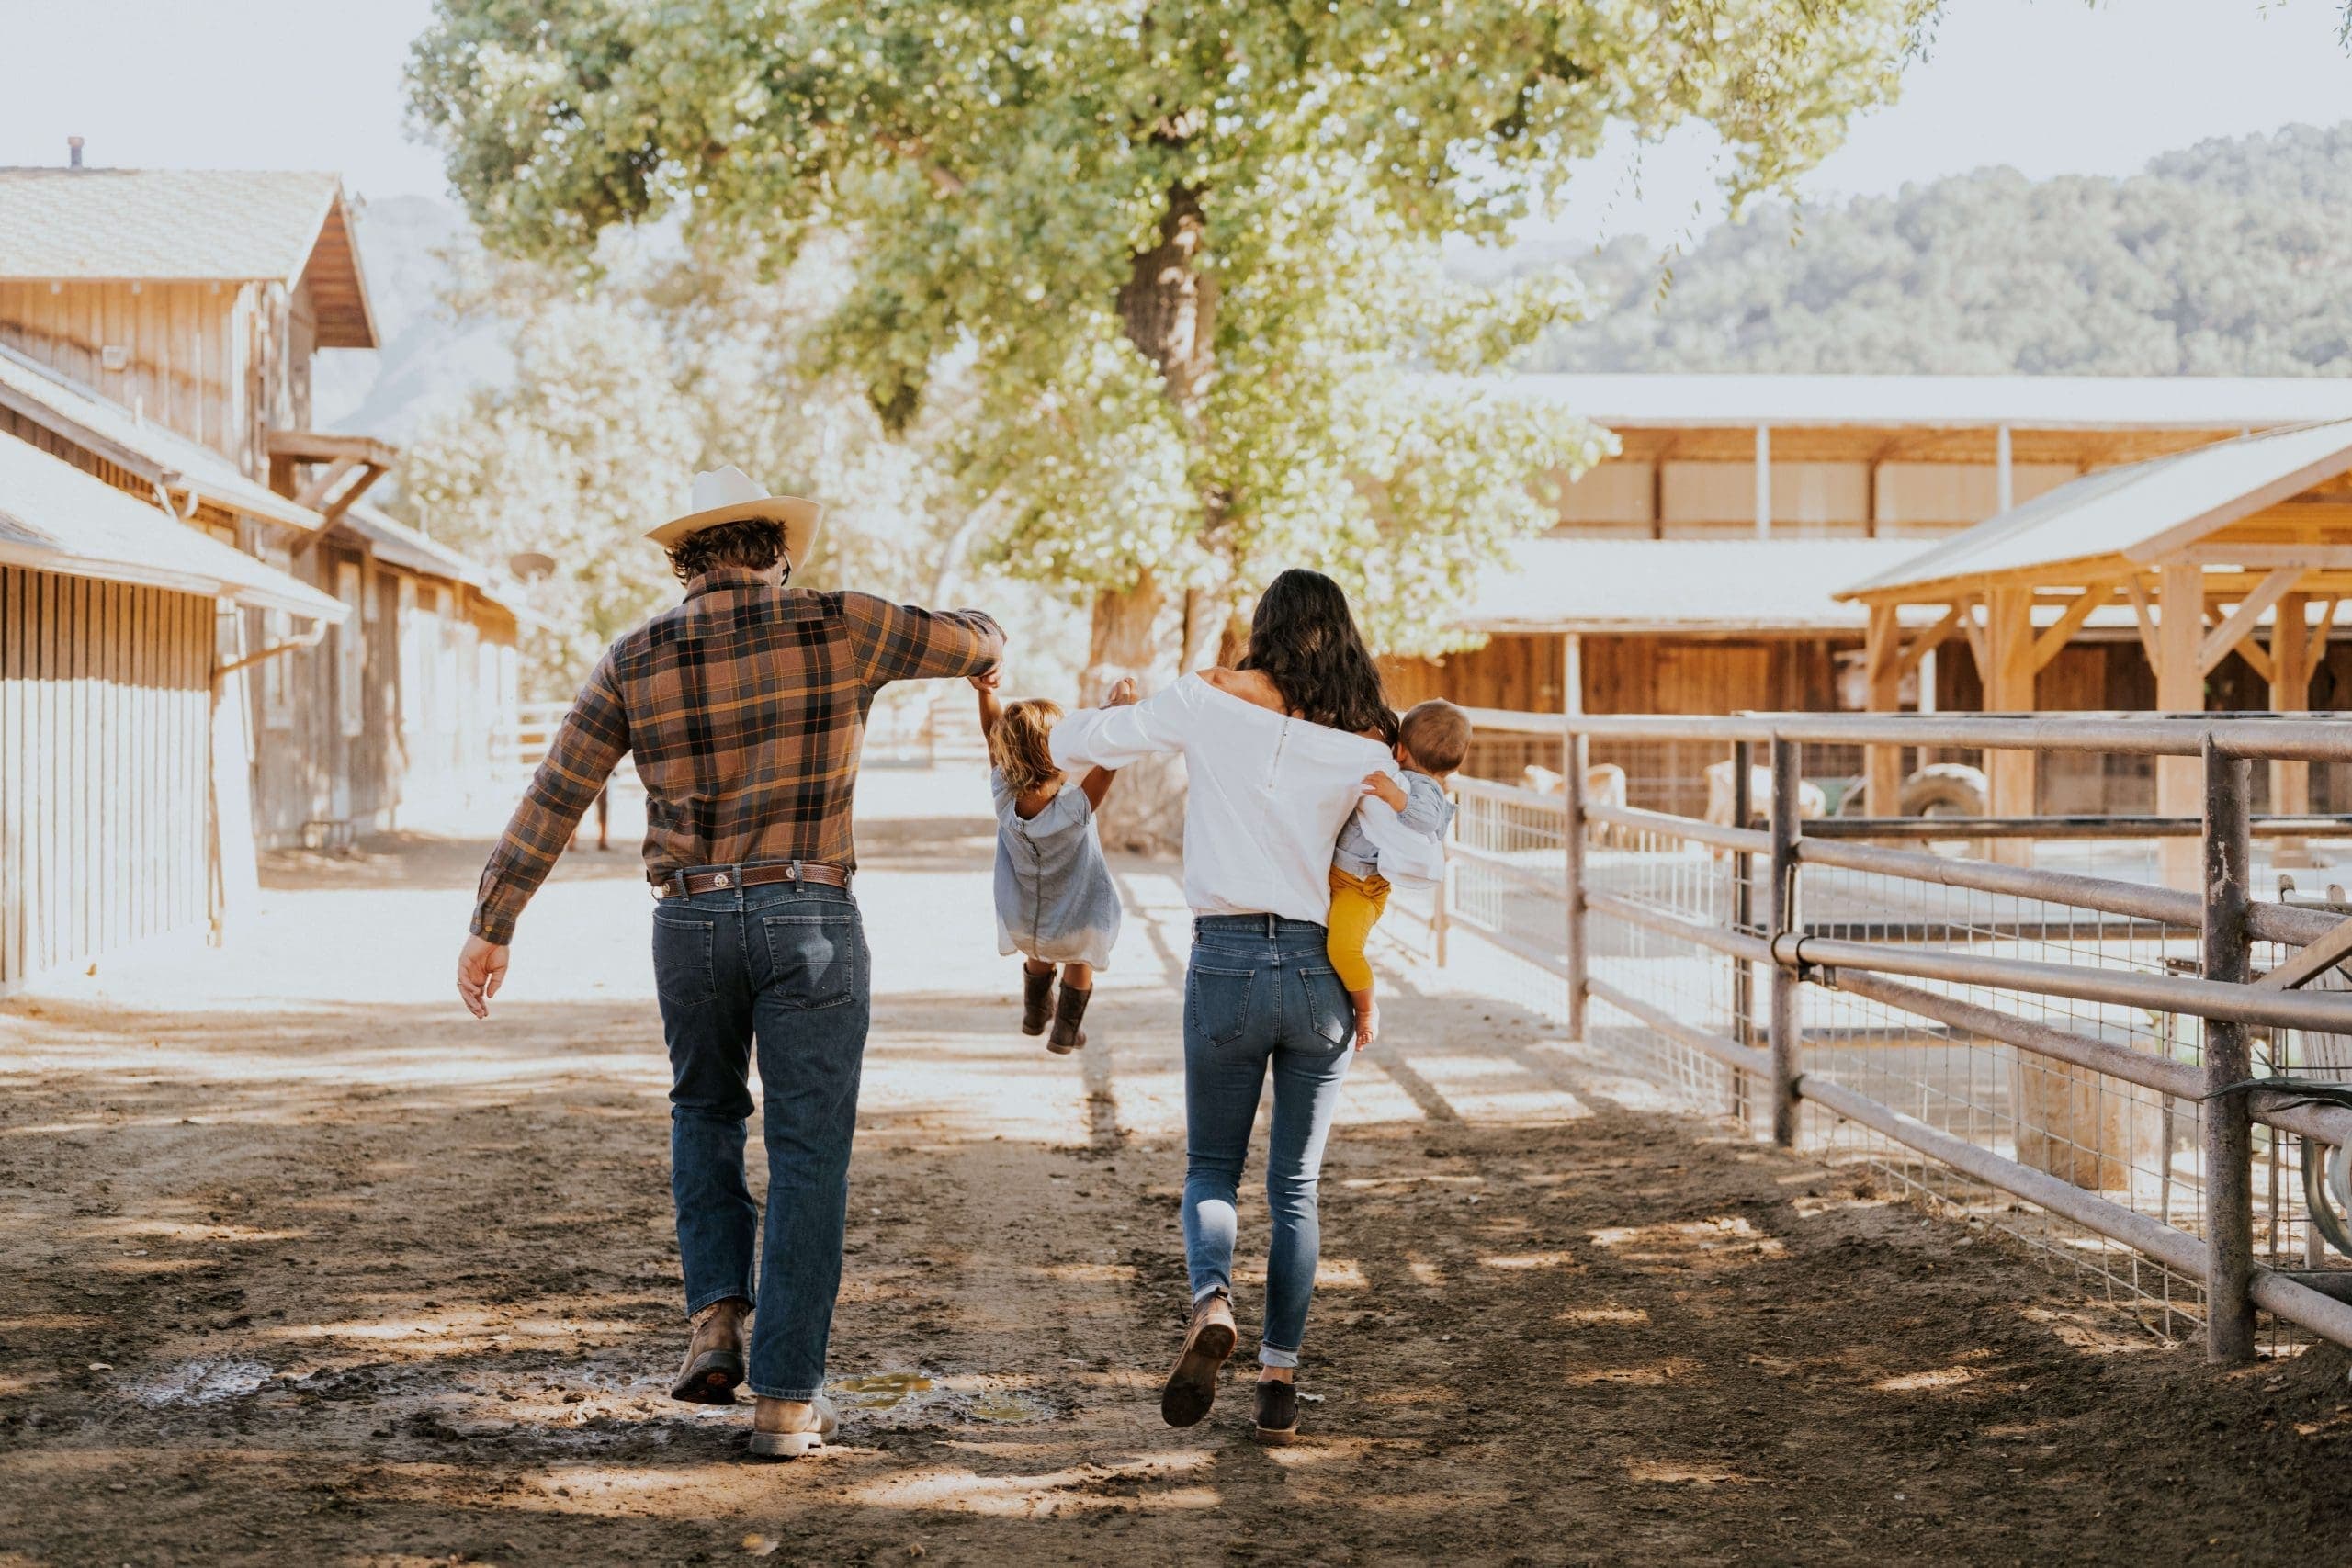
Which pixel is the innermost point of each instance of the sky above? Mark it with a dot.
(2047, 86)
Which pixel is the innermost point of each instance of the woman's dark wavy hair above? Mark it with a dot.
(1304, 639)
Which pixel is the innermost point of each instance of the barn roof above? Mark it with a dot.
(55, 517)
(108, 430)
(188, 225)
(1683, 400)
(2127, 517)
(1688, 586)
(396, 544)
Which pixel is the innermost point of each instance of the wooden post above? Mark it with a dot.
(1763, 482)
(2008, 688)
(2180, 688)
(2229, 1133)
(1787, 989)
(1882, 666)
(1743, 919)
(1572, 888)
(2005, 490)
(2290, 692)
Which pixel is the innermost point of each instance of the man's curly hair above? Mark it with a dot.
(753, 542)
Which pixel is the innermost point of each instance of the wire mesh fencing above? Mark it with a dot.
(2058, 1049)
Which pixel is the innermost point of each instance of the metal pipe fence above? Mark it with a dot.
(2136, 1077)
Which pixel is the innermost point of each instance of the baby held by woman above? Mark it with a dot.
(1431, 740)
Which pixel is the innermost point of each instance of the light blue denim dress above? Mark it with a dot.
(1055, 900)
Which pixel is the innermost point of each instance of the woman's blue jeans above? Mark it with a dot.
(782, 966)
(1260, 995)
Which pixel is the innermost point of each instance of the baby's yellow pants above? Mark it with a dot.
(1356, 905)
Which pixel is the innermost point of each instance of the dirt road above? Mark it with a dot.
(299, 1266)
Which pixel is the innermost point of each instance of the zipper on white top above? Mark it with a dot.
(1274, 763)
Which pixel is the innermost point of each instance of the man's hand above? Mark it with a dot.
(1382, 788)
(1123, 693)
(481, 969)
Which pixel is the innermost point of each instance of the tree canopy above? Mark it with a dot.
(1180, 251)
(2225, 258)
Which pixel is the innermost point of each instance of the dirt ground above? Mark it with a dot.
(298, 1266)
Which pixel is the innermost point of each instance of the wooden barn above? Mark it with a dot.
(110, 616)
(157, 332)
(1696, 570)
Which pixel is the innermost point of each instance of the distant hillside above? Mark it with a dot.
(407, 246)
(2229, 258)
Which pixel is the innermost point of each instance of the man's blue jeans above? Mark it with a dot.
(1261, 997)
(784, 967)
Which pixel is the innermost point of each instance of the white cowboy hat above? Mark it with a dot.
(731, 495)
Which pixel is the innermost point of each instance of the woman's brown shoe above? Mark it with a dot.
(1277, 1412)
(1036, 991)
(1068, 1010)
(1191, 1387)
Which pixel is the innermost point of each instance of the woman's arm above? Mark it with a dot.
(1113, 737)
(1097, 782)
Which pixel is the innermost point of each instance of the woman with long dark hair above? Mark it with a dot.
(1277, 751)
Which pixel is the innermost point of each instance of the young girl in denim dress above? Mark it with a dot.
(1054, 902)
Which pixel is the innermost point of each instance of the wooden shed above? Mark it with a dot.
(110, 803)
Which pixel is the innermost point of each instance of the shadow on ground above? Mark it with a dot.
(346, 1284)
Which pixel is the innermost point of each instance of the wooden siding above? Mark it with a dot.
(428, 718)
(105, 745)
(220, 364)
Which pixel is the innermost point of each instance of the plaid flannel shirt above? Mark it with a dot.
(745, 706)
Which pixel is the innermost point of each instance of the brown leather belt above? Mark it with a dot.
(689, 881)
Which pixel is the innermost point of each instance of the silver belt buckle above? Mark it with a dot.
(720, 880)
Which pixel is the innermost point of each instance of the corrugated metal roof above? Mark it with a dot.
(211, 476)
(55, 517)
(223, 225)
(397, 544)
(1553, 584)
(2138, 511)
(2045, 402)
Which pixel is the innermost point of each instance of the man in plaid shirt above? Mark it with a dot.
(744, 707)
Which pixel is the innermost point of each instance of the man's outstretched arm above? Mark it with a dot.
(588, 746)
(903, 642)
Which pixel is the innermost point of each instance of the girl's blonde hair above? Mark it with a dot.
(1018, 745)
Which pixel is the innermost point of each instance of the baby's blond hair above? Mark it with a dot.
(1018, 745)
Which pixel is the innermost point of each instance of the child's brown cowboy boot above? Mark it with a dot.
(1036, 991)
(1070, 1008)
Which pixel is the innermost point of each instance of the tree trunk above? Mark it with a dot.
(1168, 309)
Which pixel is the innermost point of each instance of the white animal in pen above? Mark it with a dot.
(1604, 784)
(1810, 802)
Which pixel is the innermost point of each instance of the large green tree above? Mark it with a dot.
(1181, 253)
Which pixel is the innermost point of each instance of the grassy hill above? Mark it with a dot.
(2228, 258)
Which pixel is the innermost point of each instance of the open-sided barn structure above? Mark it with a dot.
(2238, 550)
(1699, 570)
(176, 531)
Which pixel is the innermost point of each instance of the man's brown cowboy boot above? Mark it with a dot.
(1191, 1387)
(715, 1355)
